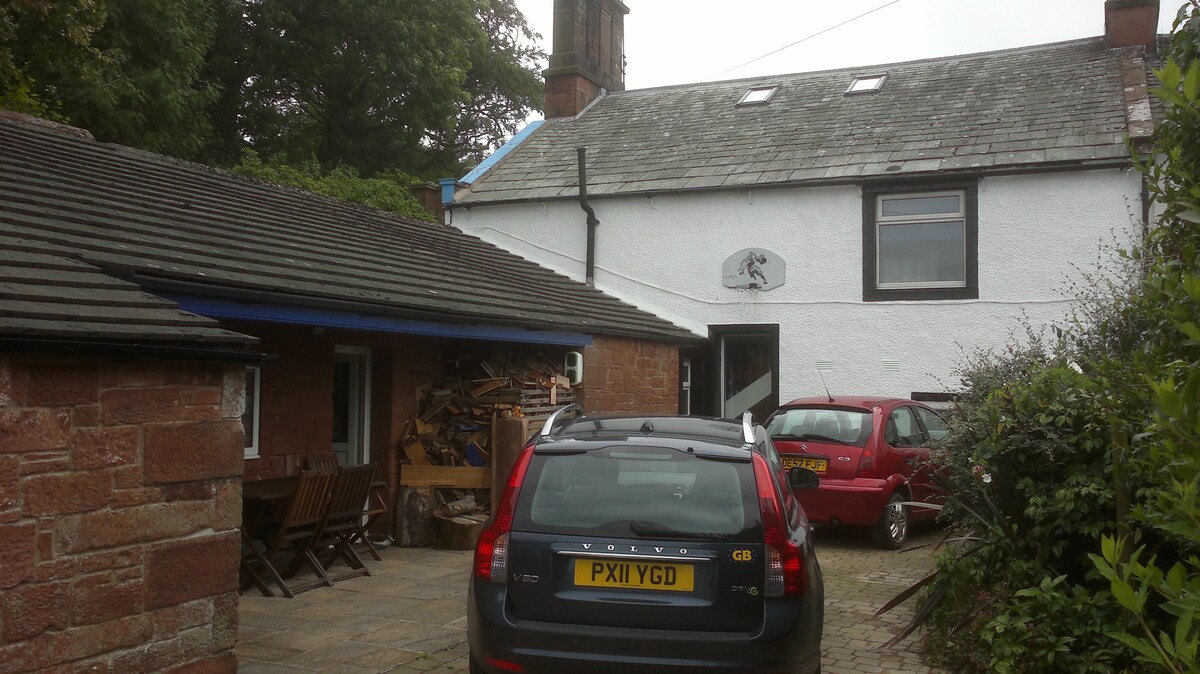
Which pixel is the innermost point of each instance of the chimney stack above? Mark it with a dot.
(588, 54)
(1131, 22)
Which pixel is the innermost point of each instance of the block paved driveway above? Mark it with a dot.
(410, 615)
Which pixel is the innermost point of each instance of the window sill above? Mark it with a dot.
(900, 294)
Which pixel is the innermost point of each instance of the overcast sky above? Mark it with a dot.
(681, 41)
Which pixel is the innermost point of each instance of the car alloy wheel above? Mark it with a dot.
(892, 528)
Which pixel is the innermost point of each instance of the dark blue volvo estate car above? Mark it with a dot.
(647, 544)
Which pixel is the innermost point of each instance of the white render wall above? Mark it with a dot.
(664, 254)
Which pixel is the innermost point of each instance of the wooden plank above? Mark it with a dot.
(439, 400)
(498, 397)
(416, 453)
(488, 387)
(456, 477)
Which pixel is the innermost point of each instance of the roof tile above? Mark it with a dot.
(105, 207)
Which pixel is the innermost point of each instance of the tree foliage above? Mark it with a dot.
(377, 84)
(424, 87)
(127, 70)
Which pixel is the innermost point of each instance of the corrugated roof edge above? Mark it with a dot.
(132, 350)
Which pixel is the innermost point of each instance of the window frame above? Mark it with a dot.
(749, 99)
(254, 407)
(871, 196)
(916, 425)
(880, 80)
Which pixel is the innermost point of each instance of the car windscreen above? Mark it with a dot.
(639, 492)
(816, 424)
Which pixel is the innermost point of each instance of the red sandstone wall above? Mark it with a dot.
(630, 376)
(120, 501)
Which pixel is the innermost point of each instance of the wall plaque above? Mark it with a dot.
(753, 268)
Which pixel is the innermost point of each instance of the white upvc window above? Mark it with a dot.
(921, 240)
(250, 415)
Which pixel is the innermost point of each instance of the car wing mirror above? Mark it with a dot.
(803, 478)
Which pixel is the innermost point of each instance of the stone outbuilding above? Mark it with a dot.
(168, 330)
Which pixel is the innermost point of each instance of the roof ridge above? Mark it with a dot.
(867, 67)
(48, 124)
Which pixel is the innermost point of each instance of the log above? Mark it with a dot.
(460, 532)
(414, 525)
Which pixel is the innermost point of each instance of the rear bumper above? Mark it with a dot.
(857, 502)
(791, 643)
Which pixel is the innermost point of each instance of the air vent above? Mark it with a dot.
(758, 95)
(866, 84)
(824, 366)
(890, 365)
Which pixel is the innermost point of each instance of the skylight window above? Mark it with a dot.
(866, 84)
(758, 95)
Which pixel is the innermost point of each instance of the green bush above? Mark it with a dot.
(388, 191)
(1073, 466)
(1027, 466)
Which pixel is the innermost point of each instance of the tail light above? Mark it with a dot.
(491, 550)
(866, 462)
(785, 570)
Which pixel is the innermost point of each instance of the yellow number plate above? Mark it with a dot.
(634, 575)
(809, 462)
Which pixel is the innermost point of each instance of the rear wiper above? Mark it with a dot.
(822, 438)
(655, 529)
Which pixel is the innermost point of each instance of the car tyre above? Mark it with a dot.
(891, 531)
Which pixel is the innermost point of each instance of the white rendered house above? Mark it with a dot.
(857, 229)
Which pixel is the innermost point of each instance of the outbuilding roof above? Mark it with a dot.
(56, 299)
(104, 222)
(1055, 105)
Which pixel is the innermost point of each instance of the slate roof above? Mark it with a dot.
(1058, 104)
(94, 207)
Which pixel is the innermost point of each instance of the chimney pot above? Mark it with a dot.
(1131, 22)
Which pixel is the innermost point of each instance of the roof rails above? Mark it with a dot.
(548, 427)
(748, 427)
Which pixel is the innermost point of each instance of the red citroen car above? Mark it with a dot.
(870, 453)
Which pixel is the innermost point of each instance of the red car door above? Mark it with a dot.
(908, 441)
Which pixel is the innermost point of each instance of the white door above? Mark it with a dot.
(352, 405)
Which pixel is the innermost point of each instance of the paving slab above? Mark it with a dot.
(410, 614)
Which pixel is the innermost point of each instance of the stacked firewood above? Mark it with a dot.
(453, 424)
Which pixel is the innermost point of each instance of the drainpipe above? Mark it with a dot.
(591, 218)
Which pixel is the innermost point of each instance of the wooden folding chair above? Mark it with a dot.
(321, 461)
(296, 534)
(344, 519)
(376, 506)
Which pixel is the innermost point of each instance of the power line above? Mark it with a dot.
(804, 39)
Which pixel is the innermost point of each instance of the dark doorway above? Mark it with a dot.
(746, 364)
